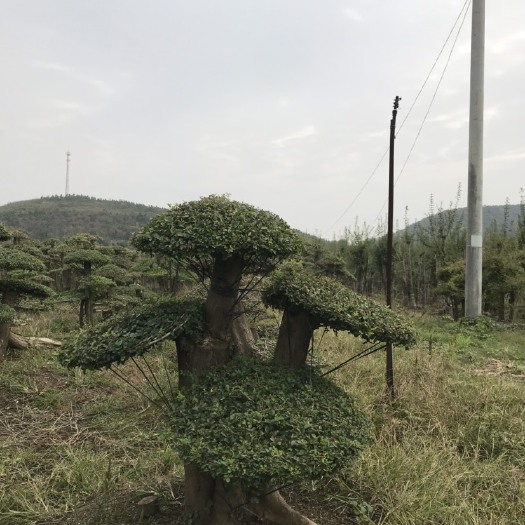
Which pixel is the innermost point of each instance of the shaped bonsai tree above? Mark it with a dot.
(83, 259)
(20, 276)
(243, 426)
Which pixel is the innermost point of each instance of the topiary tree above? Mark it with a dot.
(89, 286)
(20, 276)
(243, 426)
(310, 301)
(451, 286)
(4, 233)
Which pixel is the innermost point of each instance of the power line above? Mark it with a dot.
(431, 103)
(361, 190)
(374, 171)
(465, 5)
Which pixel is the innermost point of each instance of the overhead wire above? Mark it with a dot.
(374, 171)
(466, 6)
(430, 104)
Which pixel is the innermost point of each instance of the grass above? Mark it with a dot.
(81, 448)
(451, 449)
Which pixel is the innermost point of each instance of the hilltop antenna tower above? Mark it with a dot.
(68, 155)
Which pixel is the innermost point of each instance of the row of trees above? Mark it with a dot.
(429, 267)
(77, 270)
(429, 264)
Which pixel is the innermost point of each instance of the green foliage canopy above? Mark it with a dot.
(333, 305)
(7, 314)
(258, 424)
(21, 274)
(85, 255)
(25, 287)
(116, 273)
(4, 233)
(13, 259)
(95, 286)
(197, 232)
(131, 333)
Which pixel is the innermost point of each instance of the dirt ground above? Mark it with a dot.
(120, 508)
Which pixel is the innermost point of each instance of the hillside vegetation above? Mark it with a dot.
(115, 221)
(59, 217)
(492, 215)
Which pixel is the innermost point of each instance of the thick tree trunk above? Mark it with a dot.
(195, 358)
(90, 310)
(501, 306)
(230, 501)
(274, 509)
(19, 342)
(243, 338)
(214, 351)
(209, 501)
(82, 313)
(223, 297)
(295, 334)
(9, 299)
(199, 489)
(5, 330)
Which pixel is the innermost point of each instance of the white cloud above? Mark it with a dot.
(353, 14)
(52, 66)
(101, 86)
(306, 132)
(452, 120)
(507, 157)
(505, 45)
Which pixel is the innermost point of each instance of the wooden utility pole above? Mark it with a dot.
(474, 251)
(390, 246)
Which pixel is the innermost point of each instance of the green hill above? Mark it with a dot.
(61, 217)
(115, 221)
(492, 215)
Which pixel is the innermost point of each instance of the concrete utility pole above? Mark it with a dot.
(68, 155)
(474, 252)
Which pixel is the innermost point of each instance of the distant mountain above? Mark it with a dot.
(491, 215)
(61, 217)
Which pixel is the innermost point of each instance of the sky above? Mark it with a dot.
(283, 104)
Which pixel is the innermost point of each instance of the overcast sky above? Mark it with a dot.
(283, 104)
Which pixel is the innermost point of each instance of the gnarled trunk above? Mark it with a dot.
(273, 508)
(209, 501)
(5, 330)
(215, 350)
(295, 334)
(9, 299)
(230, 501)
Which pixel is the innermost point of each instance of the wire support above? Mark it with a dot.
(364, 353)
